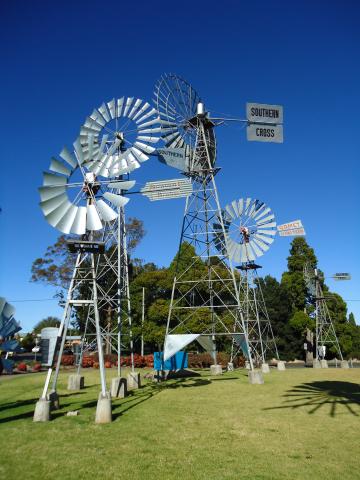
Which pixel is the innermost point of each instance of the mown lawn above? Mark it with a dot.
(300, 424)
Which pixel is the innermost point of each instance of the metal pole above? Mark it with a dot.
(142, 321)
(119, 293)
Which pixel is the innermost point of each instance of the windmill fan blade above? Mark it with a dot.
(147, 115)
(265, 220)
(50, 179)
(268, 225)
(93, 221)
(127, 105)
(92, 125)
(264, 238)
(229, 211)
(155, 121)
(111, 107)
(105, 212)
(148, 139)
(117, 200)
(49, 192)
(58, 213)
(79, 224)
(141, 111)
(127, 185)
(139, 154)
(255, 248)
(47, 206)
(262, 213)
(79, 151)
(104, 112)
(98, 118)
(144, 147)
(241, 206)
(134, 108)
(65, 224)
(261, 244)
(234, 205)
(59, 167)
(120, 103)
(66, 155)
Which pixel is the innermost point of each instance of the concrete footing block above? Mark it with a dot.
(118, 387)
(216, 370)
(256, 377)
(133, 381)
(54, 400)
(281, 366)
(230, 367)
(42, 410)
(75, 382)
(323, 364)
(316, 364)
(103, 409)
(344, 364)
(247, 365)
(265, 368)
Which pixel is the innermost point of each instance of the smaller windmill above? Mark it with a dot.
(325, 331)
(250, 228)
(8, 328)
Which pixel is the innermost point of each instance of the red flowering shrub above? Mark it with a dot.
(37, 367)
(87, 361)
(107, 364)
(22, 367)
(96, 365)
(67, 360)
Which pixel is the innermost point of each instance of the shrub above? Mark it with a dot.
(88, 361)
(22, 367)
(67, 360)
(108, 364)
(37, 367)
(96, 365)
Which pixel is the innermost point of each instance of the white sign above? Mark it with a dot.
(166, 189)
(290, 225)
(342, 276)
(262, 113)
(295, 232)
(265, 133)
(174, 157)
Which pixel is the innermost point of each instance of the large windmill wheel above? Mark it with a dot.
(74, 200)
(119, 135)
(177, 104)
(249, 227)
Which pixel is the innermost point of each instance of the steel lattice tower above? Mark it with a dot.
(325, 331)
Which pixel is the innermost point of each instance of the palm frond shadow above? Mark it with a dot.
(335, 395)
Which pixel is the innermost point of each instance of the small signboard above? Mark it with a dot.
(174, 157)
(263, 113)
(342, 276)
(265, 133)
(166, 189)
(294, 232)
(290, 225)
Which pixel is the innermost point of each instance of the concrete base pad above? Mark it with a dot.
(316, 364)
(323, 364)
(344, 364)
(118, 387)
(215, 370)
(103, 409)
(265, 368)
(230, 367)
(255, 377)
(42, 411)
(75, 382)
(54, 400)
(133, 381)
(281, 366)
(247, 365)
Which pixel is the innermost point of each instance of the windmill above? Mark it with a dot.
(325, 331)
(250, 228)
(8, 328)
(75, 201)
(205, 302)
(117, 138)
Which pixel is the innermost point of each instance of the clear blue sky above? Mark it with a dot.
(61, 59)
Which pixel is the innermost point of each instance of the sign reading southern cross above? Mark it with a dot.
(264, 122)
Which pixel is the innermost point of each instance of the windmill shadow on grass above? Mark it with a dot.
(136, 397)
(334, 395)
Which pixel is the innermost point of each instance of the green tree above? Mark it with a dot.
(45, 323)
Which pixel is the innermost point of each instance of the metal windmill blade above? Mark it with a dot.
(92, 202)
(8, 326)
(178, 104)
(250, 229)
(119, 135)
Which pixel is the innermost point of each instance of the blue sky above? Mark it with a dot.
(62, 59)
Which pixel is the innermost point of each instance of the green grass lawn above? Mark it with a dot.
(300, 424)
